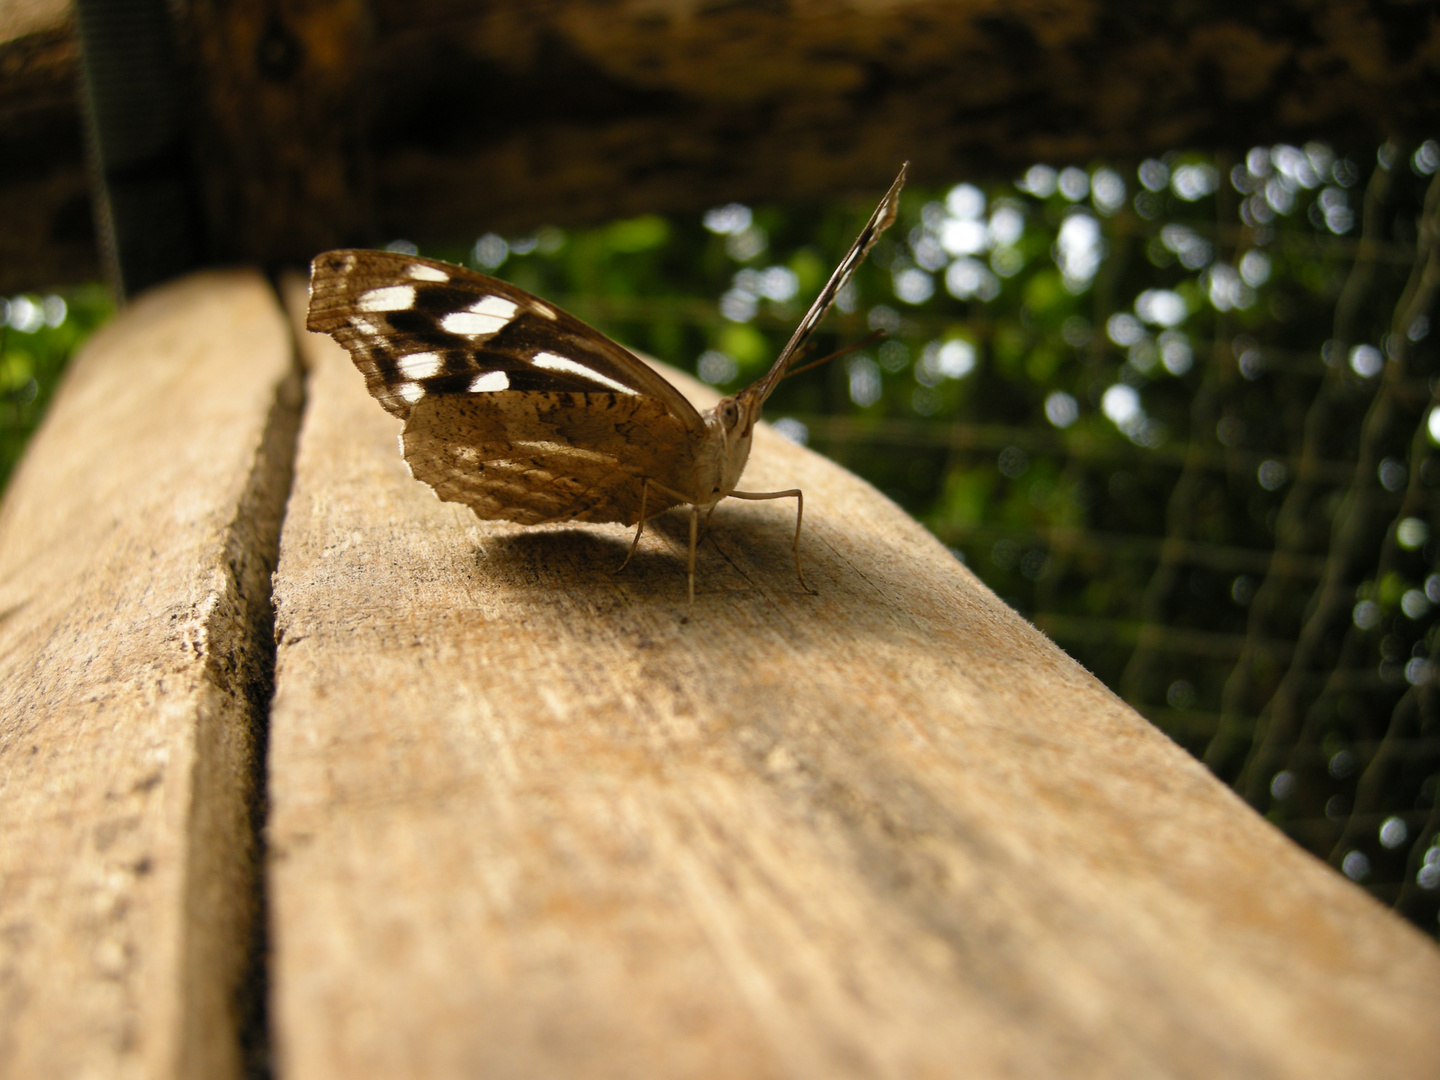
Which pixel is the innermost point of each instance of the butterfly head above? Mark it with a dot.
(732, 426)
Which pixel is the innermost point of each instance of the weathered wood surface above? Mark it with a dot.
(136, 543)
(332, 122)
(527, 822)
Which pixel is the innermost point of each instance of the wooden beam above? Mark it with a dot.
(136, 544)
(47, 234)
(322, 124)
(281, 99)
(139, 136)
(528, 822)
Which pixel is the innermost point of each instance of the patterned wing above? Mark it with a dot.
(418, 328)
(542, 457)
(880, 220)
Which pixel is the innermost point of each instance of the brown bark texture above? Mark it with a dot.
(323, 123)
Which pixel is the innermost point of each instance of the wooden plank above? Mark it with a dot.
(136, 543)
(526, 822)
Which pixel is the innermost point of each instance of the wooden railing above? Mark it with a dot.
(466, 802)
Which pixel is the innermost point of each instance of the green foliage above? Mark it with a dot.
(38, 335)
(637, 234)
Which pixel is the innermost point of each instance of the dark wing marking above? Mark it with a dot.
(880, 220)
(418, 327)
(544, 457)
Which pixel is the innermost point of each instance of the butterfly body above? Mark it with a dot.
(526, 414)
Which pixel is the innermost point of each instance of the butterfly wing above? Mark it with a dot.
(544, 457)
(417, 327)
(880, 220)
(511, 405)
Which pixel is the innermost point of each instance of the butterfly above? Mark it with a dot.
(526, 414)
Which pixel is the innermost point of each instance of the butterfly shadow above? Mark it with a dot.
(738, 552)
(578, 558)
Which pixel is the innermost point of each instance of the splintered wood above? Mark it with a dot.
(526, 822)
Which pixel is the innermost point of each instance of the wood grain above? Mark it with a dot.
(136, 543)
(527, 822)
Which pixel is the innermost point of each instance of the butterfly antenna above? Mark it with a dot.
(880, 220)
(876, 336)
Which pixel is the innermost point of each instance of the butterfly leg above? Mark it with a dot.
(639, 527)
(694, 527)
(645, 485)
(799, 498)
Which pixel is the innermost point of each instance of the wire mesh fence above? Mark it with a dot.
(1256, 575)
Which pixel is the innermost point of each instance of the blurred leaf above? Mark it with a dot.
(17, 367)
(812, 271)
(744, 344)
(637, 234)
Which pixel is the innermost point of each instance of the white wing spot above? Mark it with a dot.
(388, 298)
(541, 309)
(551, 362)
(410, 392)
(365, 326)
(494, 305)
(420, 365)
(489, 382)
(421, 272)
(488, 315)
